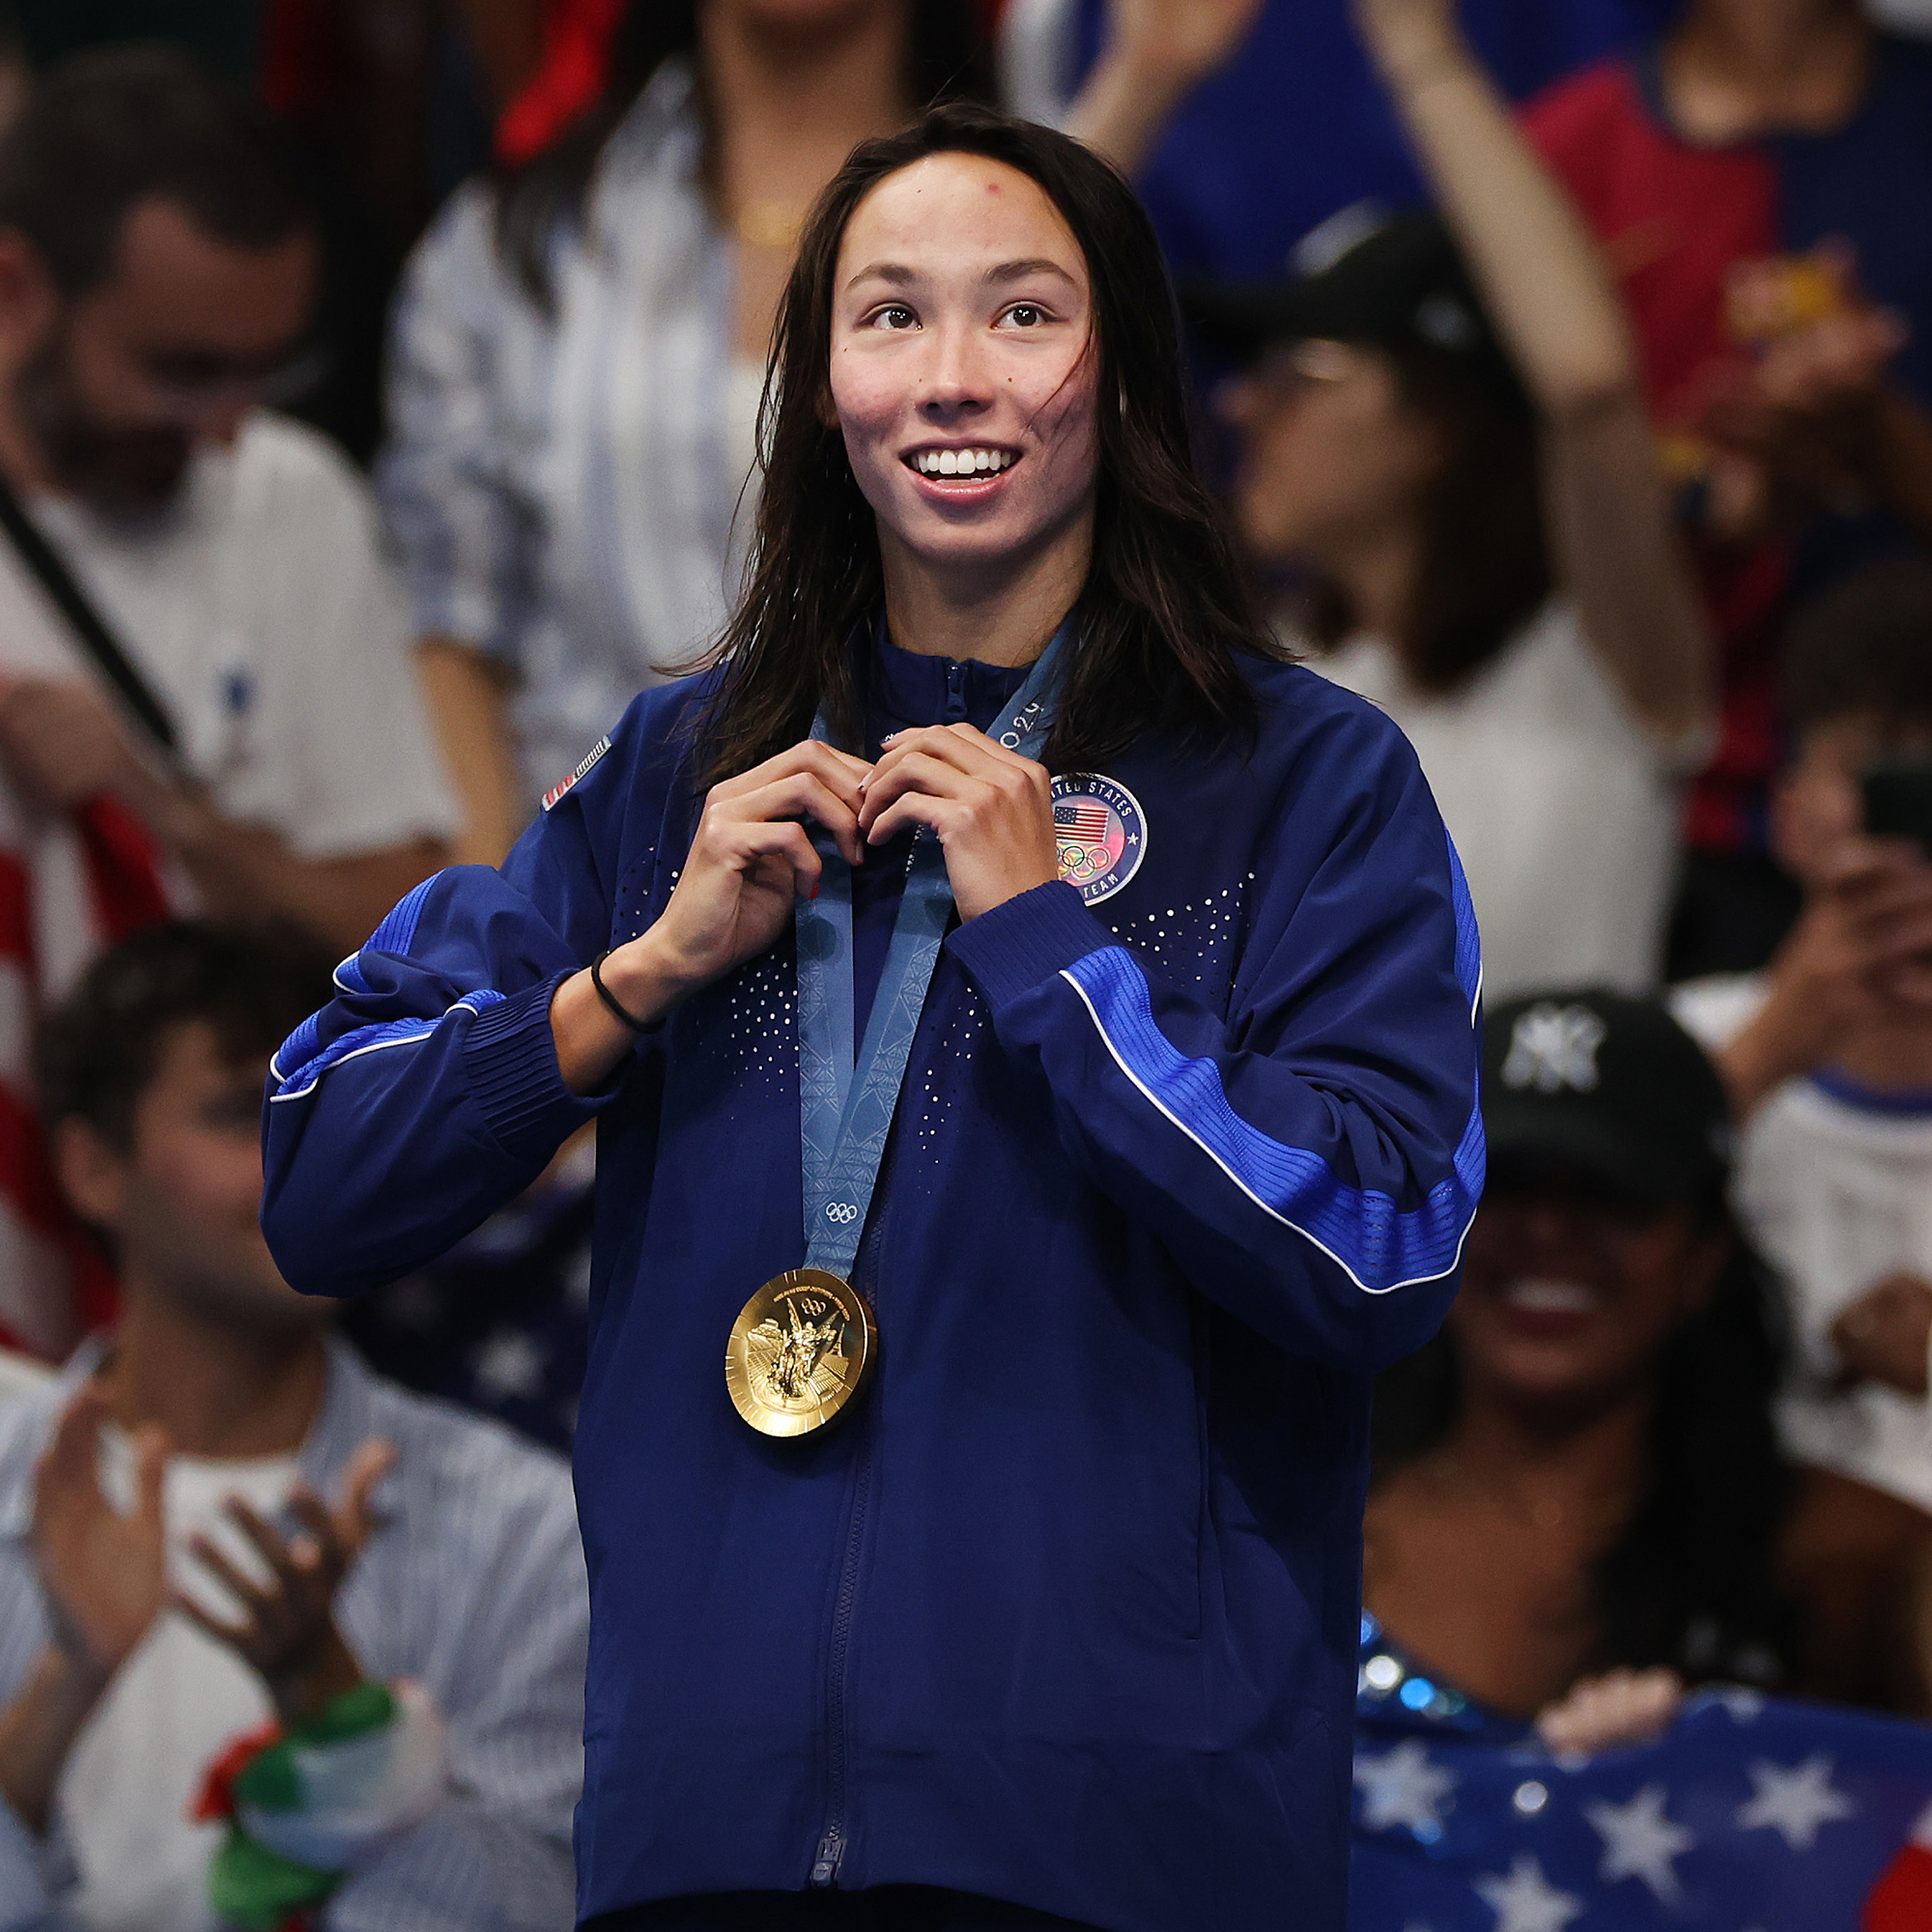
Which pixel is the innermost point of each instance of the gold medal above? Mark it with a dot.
(800, 1351)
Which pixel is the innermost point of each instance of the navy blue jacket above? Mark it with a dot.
(1066, 1612)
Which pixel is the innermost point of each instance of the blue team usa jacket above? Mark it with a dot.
(1066, 1611)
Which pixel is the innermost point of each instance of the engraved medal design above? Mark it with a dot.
(799, 1351)
(1101, 833)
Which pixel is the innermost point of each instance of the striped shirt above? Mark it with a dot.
(565, 488)
(471, 1585)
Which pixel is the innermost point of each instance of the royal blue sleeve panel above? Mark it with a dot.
(1313, 1159)
(427, 1094)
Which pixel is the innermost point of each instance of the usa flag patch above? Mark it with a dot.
(1101, 833)
(557, 791)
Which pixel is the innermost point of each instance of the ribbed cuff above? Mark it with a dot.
(511, 1059)
(1009, 951)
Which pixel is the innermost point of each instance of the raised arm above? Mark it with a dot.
(1157, 53)
(1550, 296)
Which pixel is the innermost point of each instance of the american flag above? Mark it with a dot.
(1749, 1814)
(1081, 819)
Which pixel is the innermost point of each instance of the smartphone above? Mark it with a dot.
(1898, 800)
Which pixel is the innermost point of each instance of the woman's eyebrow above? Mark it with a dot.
(895, 272)
(1037, 265)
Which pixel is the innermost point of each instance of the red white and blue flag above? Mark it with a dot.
(1749, 1814)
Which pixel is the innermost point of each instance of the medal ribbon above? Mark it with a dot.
(846, 1102)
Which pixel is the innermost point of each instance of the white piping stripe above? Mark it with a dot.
(374, 1046)
(1273, 1214)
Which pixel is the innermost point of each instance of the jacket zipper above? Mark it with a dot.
(830, 1854)
(832, 1841)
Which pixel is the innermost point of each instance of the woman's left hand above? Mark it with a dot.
(989, 807)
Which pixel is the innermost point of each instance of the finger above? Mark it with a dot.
(237, 1637)
(839, 770)
(151, 1475)
(916, 807)
(319, 1546)
(270, 1546)
(244, 1590)
(804, 795)
(367, 1467)
(785, 840)
(917, 772)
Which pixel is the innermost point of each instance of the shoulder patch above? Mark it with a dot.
(1102, 831)
(557, 791)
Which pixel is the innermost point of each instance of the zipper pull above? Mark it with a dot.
(955, 691)
(825, 1865)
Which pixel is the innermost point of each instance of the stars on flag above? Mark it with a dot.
(1404, 1787)
(1794, 1800)
(1639, 1841)
(1525, 1901)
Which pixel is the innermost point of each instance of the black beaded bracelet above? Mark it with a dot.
(611, 999)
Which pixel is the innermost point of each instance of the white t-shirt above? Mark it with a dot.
(1563, 809)
(175, 1706)
(261, 609)
(1835, 1189)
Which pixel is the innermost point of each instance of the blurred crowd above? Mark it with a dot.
(380, 393)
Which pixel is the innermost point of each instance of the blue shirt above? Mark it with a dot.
(1065, 1612)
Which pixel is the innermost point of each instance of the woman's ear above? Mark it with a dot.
(93, 1175)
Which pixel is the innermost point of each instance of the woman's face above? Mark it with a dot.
(1568, 1299)
(1331, 456)
(962, 369)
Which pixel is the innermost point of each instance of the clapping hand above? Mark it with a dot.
(105, 1574)
(287, 1629)
(1884, 1336)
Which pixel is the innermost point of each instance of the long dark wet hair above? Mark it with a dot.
(1165, 614)
(1692, 1581)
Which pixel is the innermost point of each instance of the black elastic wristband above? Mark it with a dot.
(610, 998)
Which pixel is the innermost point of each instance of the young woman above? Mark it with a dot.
(1581, 1475)
(1465, 476)
(1080, 1224)
(579, 349)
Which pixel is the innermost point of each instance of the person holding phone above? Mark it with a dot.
(1031, 1029)
(1828, 1056)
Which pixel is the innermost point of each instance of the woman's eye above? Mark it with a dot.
(1026, 315)
(896, 315)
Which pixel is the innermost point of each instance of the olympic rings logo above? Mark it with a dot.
(841, 1212)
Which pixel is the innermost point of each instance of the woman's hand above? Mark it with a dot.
(750, 861)
(1157, 53)
(990, 808)
(1622, 1707)
(288, 1631)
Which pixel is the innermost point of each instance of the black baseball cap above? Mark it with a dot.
(1600, 1085)
(1366, 276)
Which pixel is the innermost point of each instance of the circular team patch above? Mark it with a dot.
(1102, 831)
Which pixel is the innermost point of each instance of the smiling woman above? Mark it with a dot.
(1078, 1145)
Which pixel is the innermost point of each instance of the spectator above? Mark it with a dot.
(1760, 177)
(1526, 621)
(170, 1577)
(1581, 1474)
(156, 272)
(1827, 1055)
(579, 350)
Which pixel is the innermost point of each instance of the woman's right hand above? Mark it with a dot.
(750, 861)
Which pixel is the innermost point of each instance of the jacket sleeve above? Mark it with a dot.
(427, 1094)
(1313, 1158)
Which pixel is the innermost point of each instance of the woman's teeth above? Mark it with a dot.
(1552, 1297)
(962, 462)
